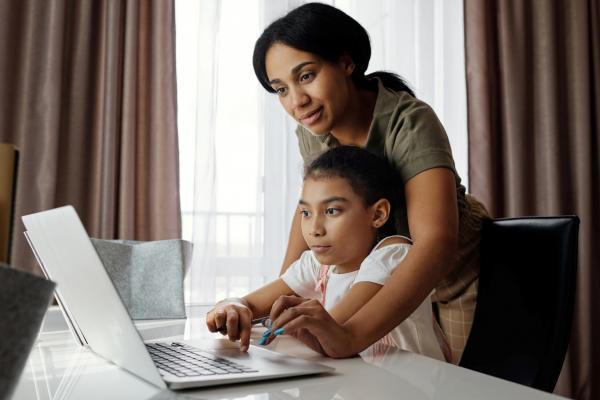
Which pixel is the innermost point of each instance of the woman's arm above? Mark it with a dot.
(433, 222)
(296, 244)
(361, 292)
(354, 300)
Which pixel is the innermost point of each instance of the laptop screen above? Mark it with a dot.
(68, 257)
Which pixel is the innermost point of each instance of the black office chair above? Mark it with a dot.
(522, 322)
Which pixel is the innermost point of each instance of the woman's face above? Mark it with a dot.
(335, 223)
(313, 91)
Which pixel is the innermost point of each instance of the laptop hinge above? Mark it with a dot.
(73, 327)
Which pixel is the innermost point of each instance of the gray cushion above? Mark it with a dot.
(148, 275)
(24, 299)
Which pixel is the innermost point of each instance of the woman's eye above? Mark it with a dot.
(332, 211)
(307, 76)
(280, 91)
(304, 213)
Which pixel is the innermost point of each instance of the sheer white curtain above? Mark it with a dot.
(220, 146)
(240, 166)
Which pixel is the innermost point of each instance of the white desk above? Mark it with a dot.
(59, 369)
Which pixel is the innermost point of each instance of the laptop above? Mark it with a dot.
(99, 319)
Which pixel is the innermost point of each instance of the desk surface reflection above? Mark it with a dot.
(60, 369)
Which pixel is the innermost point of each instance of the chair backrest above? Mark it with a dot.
(522, 321)
(9, 161)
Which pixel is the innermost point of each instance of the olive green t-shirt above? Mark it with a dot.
(406, 132)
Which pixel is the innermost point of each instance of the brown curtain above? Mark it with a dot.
(533, 84)
(87, 93)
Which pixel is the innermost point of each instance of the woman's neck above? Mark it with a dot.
(353, 129)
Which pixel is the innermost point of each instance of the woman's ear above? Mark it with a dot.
(347, 64)
(381, 213)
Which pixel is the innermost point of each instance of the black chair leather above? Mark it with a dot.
(522, 322)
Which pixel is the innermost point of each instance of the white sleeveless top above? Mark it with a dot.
(310, 279)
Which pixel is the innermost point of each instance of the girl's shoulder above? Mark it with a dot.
(390, 250)
(305, 268)
(385, 256)
(393, 240)
(308, 259)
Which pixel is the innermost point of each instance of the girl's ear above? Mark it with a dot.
(381, 213)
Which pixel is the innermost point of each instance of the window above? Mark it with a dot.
(220, 145)
(240, 166)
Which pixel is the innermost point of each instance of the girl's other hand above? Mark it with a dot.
(232, 318)
(308, 321)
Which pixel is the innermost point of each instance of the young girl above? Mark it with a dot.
(315, 60)
(346, 207)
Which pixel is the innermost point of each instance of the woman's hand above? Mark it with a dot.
(309, 322)
(232, 318)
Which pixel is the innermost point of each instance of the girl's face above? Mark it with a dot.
(336, 225)
(313, 91)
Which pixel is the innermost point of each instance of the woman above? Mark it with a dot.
(315, 59)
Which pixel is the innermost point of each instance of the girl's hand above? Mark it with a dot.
(232, 318)
(308, 321)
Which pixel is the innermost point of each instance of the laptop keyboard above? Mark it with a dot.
(184, 361)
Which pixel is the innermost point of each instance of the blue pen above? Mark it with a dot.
(264, 340)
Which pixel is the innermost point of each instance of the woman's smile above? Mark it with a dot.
(311, 117)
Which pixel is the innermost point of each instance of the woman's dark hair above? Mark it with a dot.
(370, 177)
(327, 32)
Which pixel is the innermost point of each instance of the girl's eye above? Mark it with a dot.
(332, 211)
(304, 213)
(280, 91)
(306, 77)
